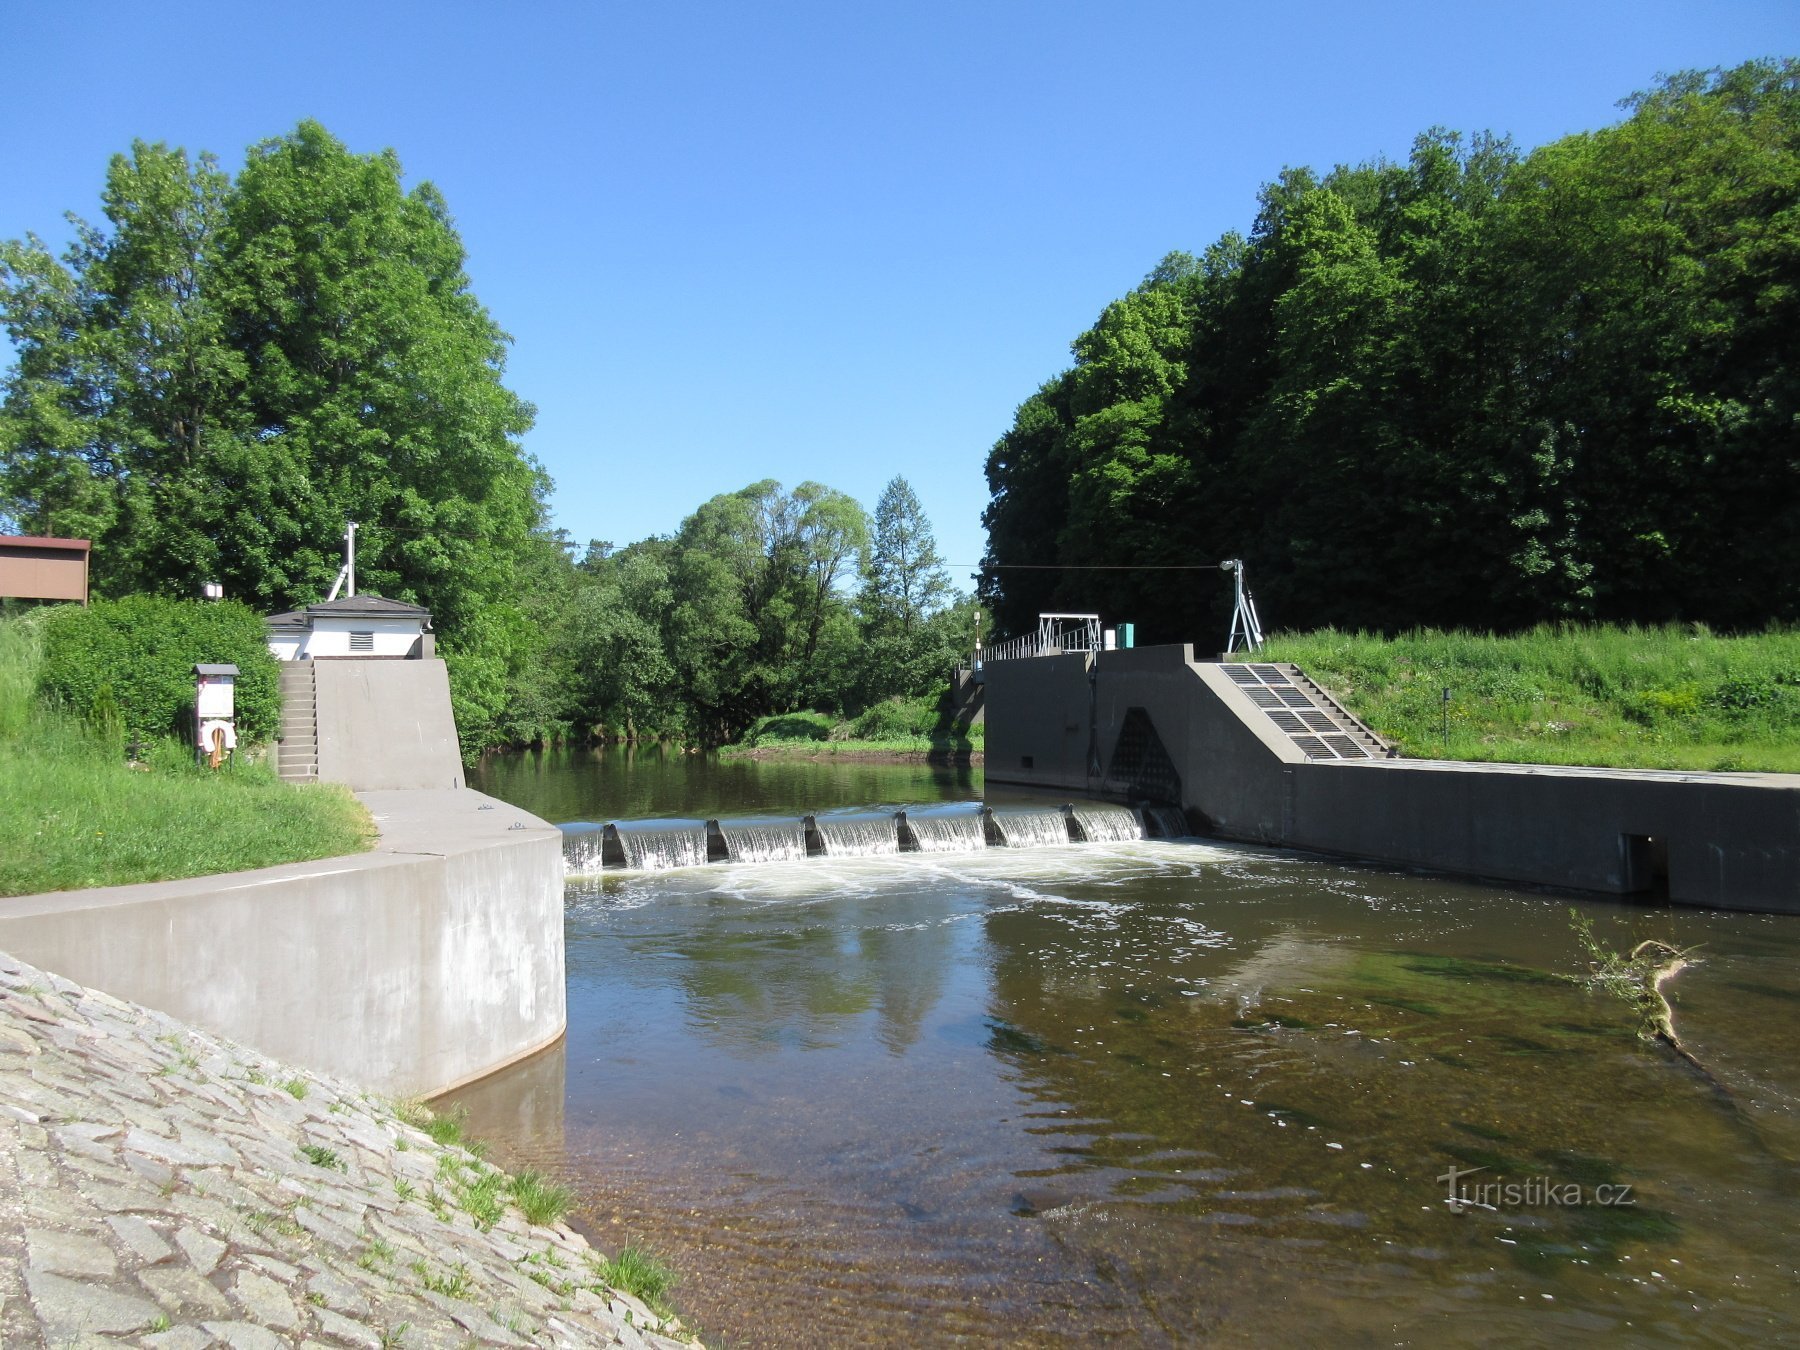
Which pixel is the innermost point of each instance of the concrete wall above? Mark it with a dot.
(433, 960)
(1731, 840)
(386, 724)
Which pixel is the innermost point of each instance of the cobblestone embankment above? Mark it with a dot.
(163, 1187)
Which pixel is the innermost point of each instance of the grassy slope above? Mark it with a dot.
(1675, 698)
(72, 813)
(912, 727)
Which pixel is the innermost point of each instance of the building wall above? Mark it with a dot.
(431, 961)
(330, 636)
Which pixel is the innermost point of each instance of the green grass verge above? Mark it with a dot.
(1670, 698)
(894, 726)
(74, 814)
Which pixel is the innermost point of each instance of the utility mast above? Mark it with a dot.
(1244, 622)
(347, 573)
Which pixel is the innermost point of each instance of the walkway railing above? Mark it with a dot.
(1056, 634)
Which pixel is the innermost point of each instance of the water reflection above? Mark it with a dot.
(623, 782)
(1155, 1094)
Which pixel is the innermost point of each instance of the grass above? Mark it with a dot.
(74, 814)
(1663, 698)
(895, 726)
(320, 1156)
(639, 1274)
(539, 1199)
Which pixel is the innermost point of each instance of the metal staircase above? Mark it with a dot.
(1321, 727)
(298, 752)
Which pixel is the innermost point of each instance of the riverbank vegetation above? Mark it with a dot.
(1482, 388)
(1674, 697)
(75, 813)
(917, 727)
(211, 381)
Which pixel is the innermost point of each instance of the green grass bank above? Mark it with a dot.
(897, 728)
(74, 813)
(1654, 698)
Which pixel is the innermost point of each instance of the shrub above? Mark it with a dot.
(130, 663)
(895, 719)
(788, 727)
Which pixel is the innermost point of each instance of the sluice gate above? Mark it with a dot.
(958, 827)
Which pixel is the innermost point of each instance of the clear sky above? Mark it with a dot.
(835, 240)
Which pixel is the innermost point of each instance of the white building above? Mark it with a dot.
(355, 626)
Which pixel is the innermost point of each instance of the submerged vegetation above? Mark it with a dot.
(1675, 697)
(75, 813)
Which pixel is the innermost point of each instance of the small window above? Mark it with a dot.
(1025, 761)
(362, 642)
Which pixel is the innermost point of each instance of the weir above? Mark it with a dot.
(1258, 752)
(958, 827)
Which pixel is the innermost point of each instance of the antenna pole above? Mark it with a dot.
(1243, 614)
(350, 555)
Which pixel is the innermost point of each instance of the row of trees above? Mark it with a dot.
(1478, 389)
(764, 601)
(212, 380)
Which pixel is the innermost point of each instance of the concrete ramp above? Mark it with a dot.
(386, 724)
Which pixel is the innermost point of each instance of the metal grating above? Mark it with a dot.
(1320, 728)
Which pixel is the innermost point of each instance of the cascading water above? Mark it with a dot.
(1101, 823)
(961, 827)
(656, 845)
(584, 848)
(858, 836)
(1165, 822)
(1028, 827)
(764, 840)
(954, 830)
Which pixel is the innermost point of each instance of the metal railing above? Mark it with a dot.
(1056, 634)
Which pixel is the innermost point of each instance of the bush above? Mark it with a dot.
(128, 665)
(895, 719)
(788, 727)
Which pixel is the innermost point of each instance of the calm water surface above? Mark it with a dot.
(1145, 1093)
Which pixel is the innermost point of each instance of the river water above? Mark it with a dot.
(1146, 1093)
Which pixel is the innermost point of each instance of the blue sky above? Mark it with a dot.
(835, 241)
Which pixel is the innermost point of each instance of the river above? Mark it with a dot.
(1145, 1092)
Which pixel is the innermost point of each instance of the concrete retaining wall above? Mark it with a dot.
(386, 724)
(1730, 841)
(430, 961)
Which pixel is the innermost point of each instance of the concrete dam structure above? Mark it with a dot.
(1256, 752)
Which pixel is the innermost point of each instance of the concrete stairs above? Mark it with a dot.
(298, 753)
(1320, 726)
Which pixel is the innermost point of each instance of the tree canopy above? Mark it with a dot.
(214, 379)
(1477, 389)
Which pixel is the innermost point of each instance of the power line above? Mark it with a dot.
(1094, 567)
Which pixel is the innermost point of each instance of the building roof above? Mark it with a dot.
(348, 607)
(44, 541)
(368, 606)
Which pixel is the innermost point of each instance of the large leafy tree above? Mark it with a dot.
(212, 381)
(1476, 389)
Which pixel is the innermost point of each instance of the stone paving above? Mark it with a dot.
(162, 1187)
